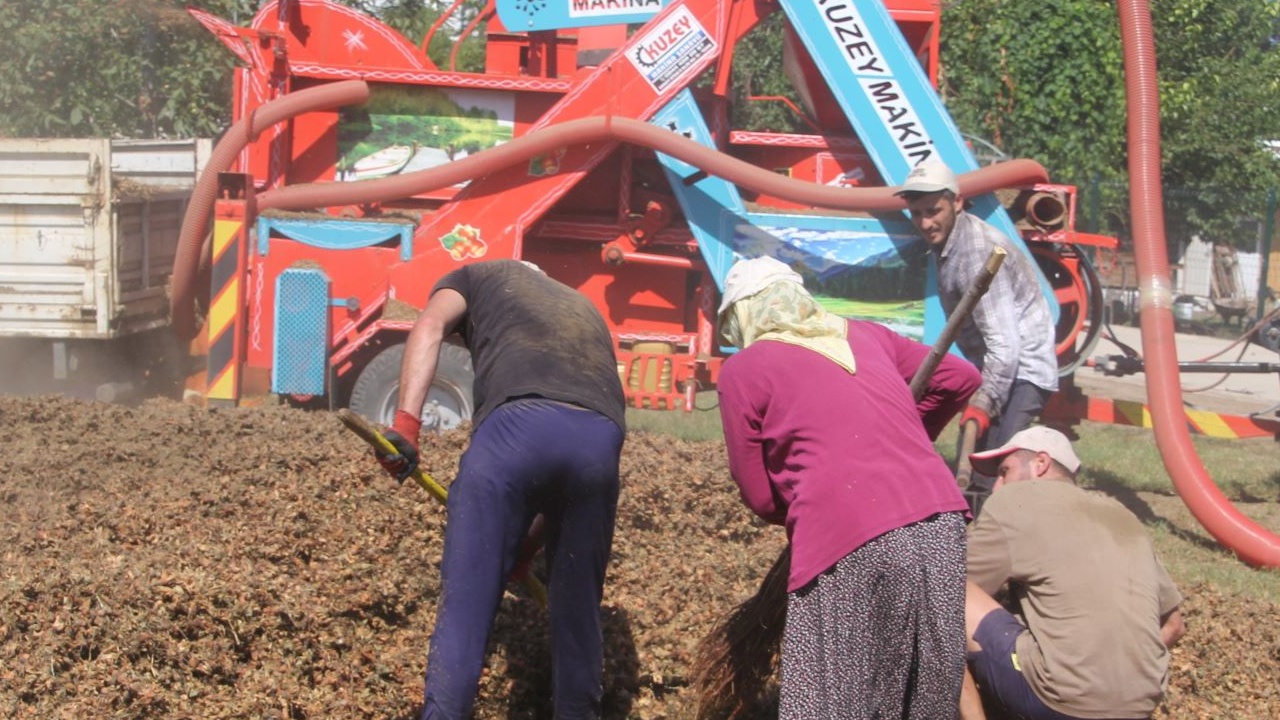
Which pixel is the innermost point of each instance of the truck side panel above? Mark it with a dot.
(88, 231)
(148, 233)
(55, 234)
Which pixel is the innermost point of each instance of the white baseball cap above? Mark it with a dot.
(1036, 439)
(927, 177)
(748, 277)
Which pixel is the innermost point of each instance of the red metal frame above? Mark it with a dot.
(595, 217)
(579, 220)
(1068, 234)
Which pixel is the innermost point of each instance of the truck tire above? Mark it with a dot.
(449, 401)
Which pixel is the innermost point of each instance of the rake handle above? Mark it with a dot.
(958, 317)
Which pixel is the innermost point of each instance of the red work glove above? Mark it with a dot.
(528, 550)
(404, 436)
(979, 416)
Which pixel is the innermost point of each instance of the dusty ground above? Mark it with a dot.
(165, 561)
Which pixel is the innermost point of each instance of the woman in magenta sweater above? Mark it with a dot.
(824, 437)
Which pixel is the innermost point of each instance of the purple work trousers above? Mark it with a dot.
(529, 456)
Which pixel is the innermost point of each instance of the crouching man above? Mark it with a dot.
(1096, 611)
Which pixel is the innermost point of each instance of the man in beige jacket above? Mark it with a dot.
(1094, 612)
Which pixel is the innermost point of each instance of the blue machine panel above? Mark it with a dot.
(335, 233)
(712, 205)
(878, 82)
(301, 332)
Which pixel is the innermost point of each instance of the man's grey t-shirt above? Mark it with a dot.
(530, 335)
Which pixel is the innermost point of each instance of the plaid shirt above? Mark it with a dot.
(1010, 334)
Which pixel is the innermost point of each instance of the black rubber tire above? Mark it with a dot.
(1087, 309)
(449, 401)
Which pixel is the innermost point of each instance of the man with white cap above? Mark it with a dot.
(1096, 613)
(1010, 335)
(824, 437)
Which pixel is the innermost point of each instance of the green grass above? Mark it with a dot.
(700, 425)
(1112, 455)
(1192, 557)
(1245, 470)
(1122, 462)
(1118, 455)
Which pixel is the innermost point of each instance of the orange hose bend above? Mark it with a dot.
(186, 262)
(519, 150)
(1251, 542)
(606, 128)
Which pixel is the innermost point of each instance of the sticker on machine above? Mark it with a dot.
(672, 51)
(609, 8)
(464, 242)
(547, 163)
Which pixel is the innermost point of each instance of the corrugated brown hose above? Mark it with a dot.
(186, 262)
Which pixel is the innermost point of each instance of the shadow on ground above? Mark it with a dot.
(1113, 485)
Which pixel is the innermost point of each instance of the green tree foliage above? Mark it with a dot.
(414, 18)
(1220, 99)
(1046, 81)
(1041, 80)
(757, 71)
(146, 68)
(133, 68)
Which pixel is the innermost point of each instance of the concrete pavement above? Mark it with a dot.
(1236, 393)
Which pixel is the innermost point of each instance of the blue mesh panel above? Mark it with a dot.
(301, 333)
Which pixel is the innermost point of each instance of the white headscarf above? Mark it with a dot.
(766, 300)
(748, 277)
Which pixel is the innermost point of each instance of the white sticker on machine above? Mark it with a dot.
(670, 52)
(606, 8)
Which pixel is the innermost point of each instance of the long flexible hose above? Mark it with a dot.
(586, 130)
(636, 132)
(520, 150)
(186, 262)
(1251, 542)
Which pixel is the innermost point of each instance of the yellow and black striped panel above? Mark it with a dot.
(224, 309)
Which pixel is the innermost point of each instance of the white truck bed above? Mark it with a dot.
(88, 232)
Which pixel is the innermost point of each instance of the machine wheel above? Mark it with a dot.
(1079, 293)
(449, 401)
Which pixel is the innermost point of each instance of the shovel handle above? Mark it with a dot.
(967, 441)
(361, 427)
(367, 432)
(958, 317)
